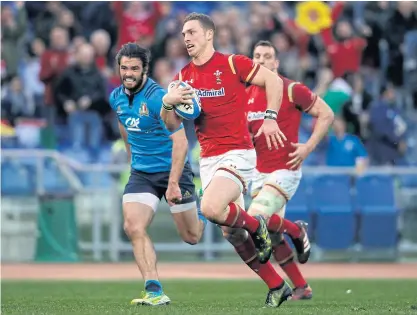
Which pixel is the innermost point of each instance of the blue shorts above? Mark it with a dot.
(149, 188)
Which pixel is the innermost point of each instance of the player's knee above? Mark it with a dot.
(235, 236)
(266, 204)
(190, 237)
(210, 210)
(133, 228)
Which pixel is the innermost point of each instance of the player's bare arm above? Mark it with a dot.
(176, 95)
(274, 87)
(123, 133)
(325, 116)
(179, 153)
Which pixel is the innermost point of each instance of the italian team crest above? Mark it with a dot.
(143, 111)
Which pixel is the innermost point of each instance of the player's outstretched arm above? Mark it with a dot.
(123, 133)
(179, 153)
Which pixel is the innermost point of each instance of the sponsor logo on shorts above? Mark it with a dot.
(186, 195)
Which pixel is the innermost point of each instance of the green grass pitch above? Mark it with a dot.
(201, 297)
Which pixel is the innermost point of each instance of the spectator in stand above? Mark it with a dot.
(136, 19)
(225, 41)
(345, 52)
(53, 62)
(34, 88)
(15, 102)
(81, 92)
(66, 20)
(410, 66)
(288, 56)
(388, 128)
(355, 111)
(13, 29)
(344, 149)
(370, 19)
(403, 20)
(47, 20)
(163, 72)
(100, 40)
(176, 53)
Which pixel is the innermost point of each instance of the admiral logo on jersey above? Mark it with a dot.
(211, 93)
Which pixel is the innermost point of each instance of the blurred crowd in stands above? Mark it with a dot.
(58, 68)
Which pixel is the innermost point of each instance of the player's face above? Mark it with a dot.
(195, 37)
(265, 56)
(131, 73)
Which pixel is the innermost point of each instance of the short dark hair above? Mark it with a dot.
(205, 20)
(132, 50)
(266, 43)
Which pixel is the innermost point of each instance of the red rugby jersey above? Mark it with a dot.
(220, 84)
(296, 98)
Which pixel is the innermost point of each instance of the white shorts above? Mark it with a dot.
(286, 181)
(243, 163)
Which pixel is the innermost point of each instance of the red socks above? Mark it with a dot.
(276, 224)
(285, 258)
(239, 218)
(266, 272)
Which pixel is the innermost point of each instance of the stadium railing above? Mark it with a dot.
(349, 222)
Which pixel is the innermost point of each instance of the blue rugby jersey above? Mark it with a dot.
(147, 135)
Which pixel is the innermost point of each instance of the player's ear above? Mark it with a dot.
(276, 64)
(210, 35)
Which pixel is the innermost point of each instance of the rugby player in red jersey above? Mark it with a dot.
(228, 158)
(278, 172)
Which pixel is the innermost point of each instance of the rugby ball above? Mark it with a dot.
(187, 111)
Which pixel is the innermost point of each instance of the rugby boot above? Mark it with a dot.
(262, 240)
(276, 297)
(302, 243)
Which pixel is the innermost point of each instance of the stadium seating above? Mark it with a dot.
(298, 207)
(408, 181)
(375, 202)
(16, 180)
(96, 179)
(54, 182)
(335, 226)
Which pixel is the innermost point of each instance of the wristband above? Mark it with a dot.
(271, 114)
(167, 107)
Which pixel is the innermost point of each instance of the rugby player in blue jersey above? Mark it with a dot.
(159, 166)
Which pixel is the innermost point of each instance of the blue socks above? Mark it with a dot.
(201, 217)
(153, 286)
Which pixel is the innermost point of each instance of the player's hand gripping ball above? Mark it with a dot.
(187, 111)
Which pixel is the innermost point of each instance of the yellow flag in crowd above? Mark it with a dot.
(313, 16)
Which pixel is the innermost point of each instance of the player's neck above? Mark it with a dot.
(204, 57)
